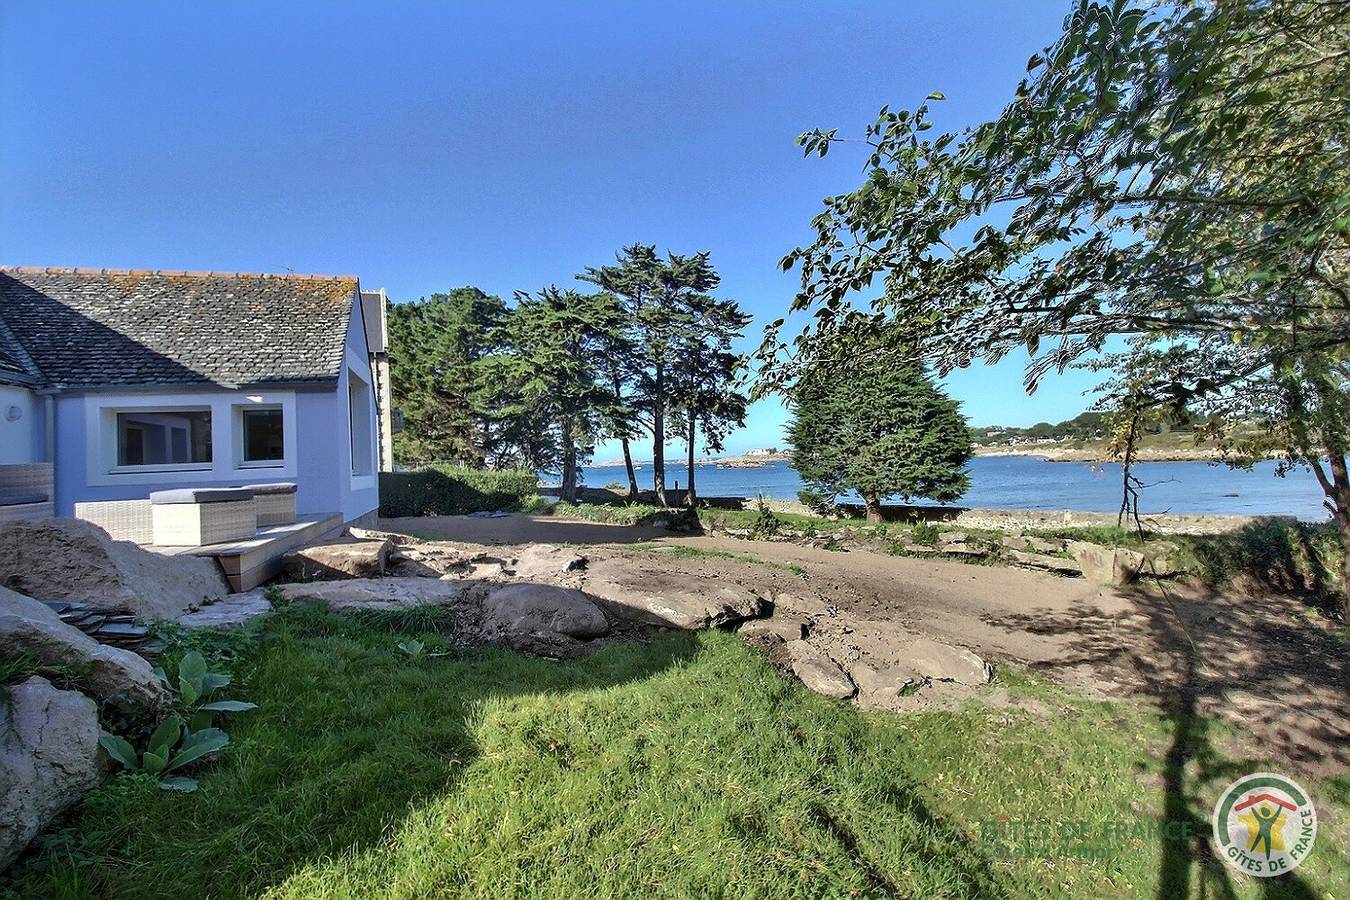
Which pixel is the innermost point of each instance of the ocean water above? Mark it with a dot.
(1029, 482)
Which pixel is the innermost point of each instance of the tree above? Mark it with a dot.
(876, 424)
(440, 382)
(1174, 178)
(703, 378)
(557, 341)
(659, 296)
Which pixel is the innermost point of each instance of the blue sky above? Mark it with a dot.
(424, 146)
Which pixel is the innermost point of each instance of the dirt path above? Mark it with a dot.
(1280, 674)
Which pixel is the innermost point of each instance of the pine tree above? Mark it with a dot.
(874, 423)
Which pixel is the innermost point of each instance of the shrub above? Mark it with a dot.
(818, 502)
(446, 490)
(925, 533)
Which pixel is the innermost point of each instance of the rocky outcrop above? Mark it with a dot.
(232, 612)
(117, 677)
(342, 558)
(815, 669)
(378, 593)
(944, 662)
(1044, 561)
(70, 559)
(650, 595)
(48, 759)
(547, 562)
(1107, 565)
(542, 619)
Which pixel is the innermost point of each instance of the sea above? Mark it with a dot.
(1032, 482)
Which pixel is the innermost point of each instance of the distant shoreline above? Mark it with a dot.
(1048, 452)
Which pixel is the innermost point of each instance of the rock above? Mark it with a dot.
(943, 662)
(1107, 565)
(115, 676)
(779, 628)
(1164, 560)
(807, 606)
(963, 549)
(816, 670)
(70, 559)
(887, 682)
(48, 759)
(1015, 542)
(649, 595)
(952, 537)
(544, 608)
(547, 561)
(343, 558)
(1044, 561)
(378, 593)
(233, 611)
(1044, 545)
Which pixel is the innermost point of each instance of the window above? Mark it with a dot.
(164, 437)
(263, 436)
(358, 411)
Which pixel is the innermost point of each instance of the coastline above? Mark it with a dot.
(1048, 452)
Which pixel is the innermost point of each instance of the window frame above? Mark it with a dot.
(119, 468)
(240, 417)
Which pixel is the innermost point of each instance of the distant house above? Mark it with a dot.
(128, 382)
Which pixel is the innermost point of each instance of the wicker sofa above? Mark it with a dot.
(26, 491)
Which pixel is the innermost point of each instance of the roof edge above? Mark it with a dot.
(182, 273)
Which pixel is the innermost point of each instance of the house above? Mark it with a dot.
(122, 382)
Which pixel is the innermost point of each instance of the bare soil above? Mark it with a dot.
(1277, 671)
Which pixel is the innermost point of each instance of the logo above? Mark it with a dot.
(1264, 824)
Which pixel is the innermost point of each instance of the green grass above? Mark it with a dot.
(686, 767)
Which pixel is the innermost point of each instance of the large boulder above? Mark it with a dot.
(944, 662)
(48, 759)
(118, 677)
(815, 669)
(342, 558)
(545, 561)
(378, 593)
(1106, 565)
(71, 559)
(542, 619)
(650, 595)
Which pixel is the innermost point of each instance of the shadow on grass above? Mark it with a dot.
(1256, 662)
(354, 739)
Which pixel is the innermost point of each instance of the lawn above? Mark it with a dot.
(686, 767)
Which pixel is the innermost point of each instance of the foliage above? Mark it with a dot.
(819, 502)
(925, 533)
(1173, 178)
(677, 359)
(449, 490)
(875, 424)
(443, 384)
(192, 694)
(623, 774)
(766, 524)
(558, 341)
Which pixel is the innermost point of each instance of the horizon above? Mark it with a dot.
(462, 146)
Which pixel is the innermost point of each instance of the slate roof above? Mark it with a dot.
(108, 328)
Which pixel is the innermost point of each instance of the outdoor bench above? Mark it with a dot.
(275, 502)
(193, 517)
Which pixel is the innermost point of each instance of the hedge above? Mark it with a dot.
(445, 490)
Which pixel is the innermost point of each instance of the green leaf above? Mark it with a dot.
(214, 681)
(189, 690)
(937, 95)
(165, 736)
(227, 706)
(154, 763)
(179, 783)
(200, 721)
(206, 742)
(119, 749)
(193, 666)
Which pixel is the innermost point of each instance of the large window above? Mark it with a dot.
(263, 436)
(164, 437)
(358, 413)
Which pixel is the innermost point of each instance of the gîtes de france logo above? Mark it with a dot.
(1264, 824)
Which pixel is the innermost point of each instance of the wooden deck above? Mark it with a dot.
(249, 563)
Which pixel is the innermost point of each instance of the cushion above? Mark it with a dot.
(200, 495)
(22, 499)
(276, 487)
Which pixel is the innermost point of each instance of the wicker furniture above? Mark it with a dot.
(193, 517)
(26, 491)
(275, 502)
(124, 520)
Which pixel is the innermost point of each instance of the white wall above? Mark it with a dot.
(22, 432)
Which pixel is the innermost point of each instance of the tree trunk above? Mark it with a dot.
(690, 499)
(873, 506)
(632, 476)
(659, 435)
(569, 473)
(1338, 491)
